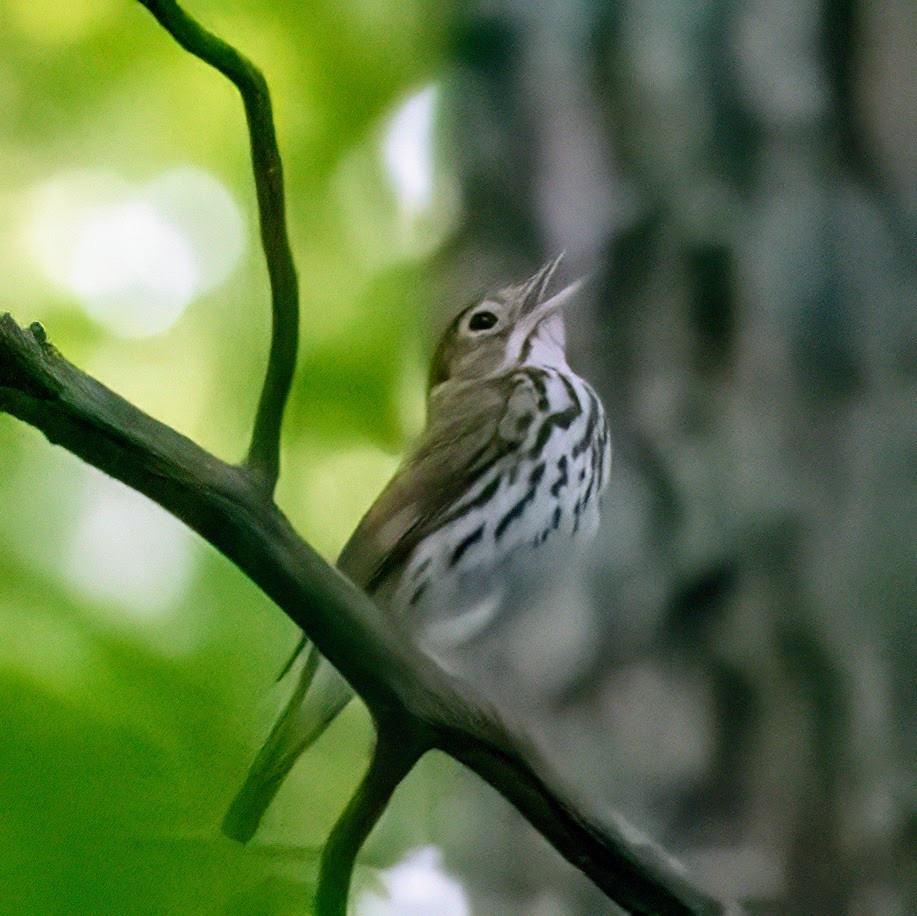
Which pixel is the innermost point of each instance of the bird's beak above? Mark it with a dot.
(533, 291)
(542, 310)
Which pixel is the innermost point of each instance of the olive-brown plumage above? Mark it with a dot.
(514, 455)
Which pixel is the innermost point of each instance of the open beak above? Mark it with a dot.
(535, 289)
(536, 307)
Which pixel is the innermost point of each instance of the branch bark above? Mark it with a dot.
(392, 760)
(264, 451)
(398, 683)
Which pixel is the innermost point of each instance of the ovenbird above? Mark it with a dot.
(507, 473)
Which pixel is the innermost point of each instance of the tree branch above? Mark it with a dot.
(264, 451)
(398, 682)
(633, 871)
(392, 760)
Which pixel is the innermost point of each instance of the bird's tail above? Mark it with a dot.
(320, 694)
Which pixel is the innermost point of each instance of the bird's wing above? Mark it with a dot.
(470, 428)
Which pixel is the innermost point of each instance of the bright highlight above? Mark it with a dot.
(134, 258)
(418, 886)
(408, 151)
(128, 554)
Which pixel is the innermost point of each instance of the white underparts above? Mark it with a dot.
(522, 514)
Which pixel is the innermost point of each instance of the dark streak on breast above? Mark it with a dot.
(514, 513)
(466, 542)
(560, 420)
(562, 479)
(422, 567)
(486, 494)
(537, 378)
(595, 411)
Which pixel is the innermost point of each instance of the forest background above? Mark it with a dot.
(734, 669)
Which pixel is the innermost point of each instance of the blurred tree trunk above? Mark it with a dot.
(747, 328)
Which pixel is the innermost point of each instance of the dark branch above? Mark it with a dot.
(392, 760)
(398, 683)
(264, 452)
(634, 872)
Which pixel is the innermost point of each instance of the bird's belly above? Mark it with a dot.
(496, 558)
(457, 609)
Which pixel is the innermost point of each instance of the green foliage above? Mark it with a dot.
(130, 717)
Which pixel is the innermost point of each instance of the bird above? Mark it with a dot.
(503, 482)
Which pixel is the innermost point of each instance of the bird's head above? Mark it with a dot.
(518, 325)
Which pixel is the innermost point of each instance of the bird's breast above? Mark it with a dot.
(517, 522)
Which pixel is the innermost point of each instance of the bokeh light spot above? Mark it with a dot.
(134, 258)
(128, 554)
(339, 489)
(408, 151)
(201, 207)
(417, 886)
(132, 270)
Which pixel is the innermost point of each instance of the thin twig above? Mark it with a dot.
(396, 680)
(264, 451)
(392, 760)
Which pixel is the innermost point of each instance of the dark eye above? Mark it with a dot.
(482, 321)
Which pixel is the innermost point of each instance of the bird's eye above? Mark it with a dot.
(482, 321)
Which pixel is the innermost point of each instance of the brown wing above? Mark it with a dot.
(469, 429)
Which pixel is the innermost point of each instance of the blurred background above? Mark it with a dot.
(733, 669)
